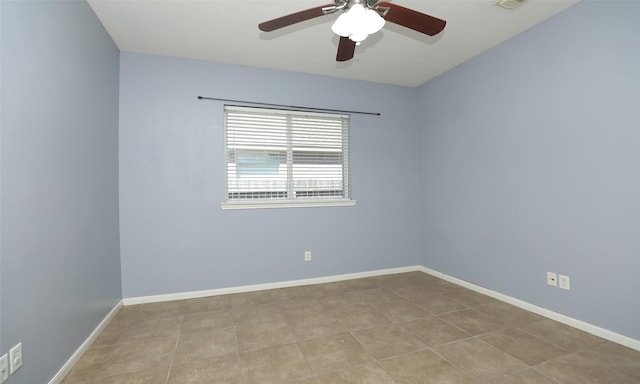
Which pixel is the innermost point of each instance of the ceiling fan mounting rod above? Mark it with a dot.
(351, 3)
(346, 4)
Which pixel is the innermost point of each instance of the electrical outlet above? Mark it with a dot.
(307, 255)
(4, 368)
(564, 282)
(552, 279)
(15, 358)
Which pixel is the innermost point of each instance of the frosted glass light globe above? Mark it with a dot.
(357, 23)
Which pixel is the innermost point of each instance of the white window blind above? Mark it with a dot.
(276, 156)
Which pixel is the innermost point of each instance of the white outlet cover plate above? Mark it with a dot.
(15, 358)
(564, 282)
(552, 279)
(4, 368)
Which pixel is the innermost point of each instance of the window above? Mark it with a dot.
(277, 158)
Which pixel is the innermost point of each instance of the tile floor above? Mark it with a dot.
(408, 328)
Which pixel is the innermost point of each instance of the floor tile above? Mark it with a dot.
(314, 326)
(469, 298)
(620, 358)
(434, 331)
(361, 319)
(138, 355)
(473, 322)
(90, 363)
(478, 359)
(320, 291)
(527, 376)
(249, 299)
(202, 321)
(387, 341)
(584, 367)
(275, 365)
(308, 380)
(438, 304)
(568, 338)
(126, 313)
(377, 297)
(294, 310)
(356, 285)
(408, 291)
(522, 346)
(370, 373)
(77, 379)
(437, 287)
(291, 293)
(342, 304)
(297, 305)
(222, 369)
(206, 304)
(151, 327)
(263, 335)
(424, 367)
(112, 333)
(204, 345)
(257, 313)
(160, 310)
(334, 353)
(298, 311)
(508, 313)
(154, 375)
(424, 288)
(384, 280)
(401, 311)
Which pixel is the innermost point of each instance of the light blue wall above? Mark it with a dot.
(59, 198)
(531, 163)
(174, 235)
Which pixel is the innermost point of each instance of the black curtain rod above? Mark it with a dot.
(290, 107)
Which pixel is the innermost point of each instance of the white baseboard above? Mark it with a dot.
(68, 366)
(589, 328)
(264, 287)
(570, 321)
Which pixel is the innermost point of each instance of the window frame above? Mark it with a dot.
(289, 201)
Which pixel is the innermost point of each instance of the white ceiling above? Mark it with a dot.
(226, 31)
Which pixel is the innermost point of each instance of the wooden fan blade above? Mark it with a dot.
(294, 18)
(415, 20)
(346, 49)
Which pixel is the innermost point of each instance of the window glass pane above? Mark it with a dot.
(253, 163)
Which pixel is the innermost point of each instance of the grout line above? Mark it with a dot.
(173, 355)
(235, 332)
(543, 340)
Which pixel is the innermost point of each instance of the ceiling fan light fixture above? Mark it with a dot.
(359, 19)
(357, 23)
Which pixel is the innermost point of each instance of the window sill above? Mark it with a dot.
(259, 204)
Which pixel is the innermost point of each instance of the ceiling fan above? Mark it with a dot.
(359, 19)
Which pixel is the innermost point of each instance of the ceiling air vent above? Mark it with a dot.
(510, 4)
